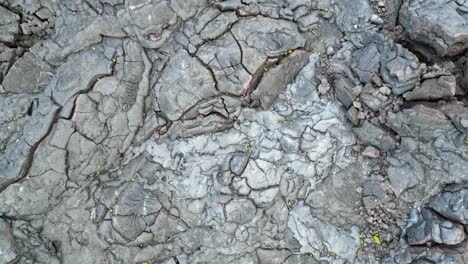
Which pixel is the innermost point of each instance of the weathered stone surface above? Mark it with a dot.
(343, 90)
(7, 253)
(433, 89)
(431, 228)
(224, 57)
(439, 24)
(400, 68)
(175, 92)
(8, 24)
(276, 79)
(404, 172)
(315, 234)
(240, 211)
(149, 131)
(263, 37)
(367, 63)
(374, 135)
(420, 121)
(29, 74)
(374, 103)
(452, 205)
(371, 152)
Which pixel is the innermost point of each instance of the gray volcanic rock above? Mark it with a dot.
(439, 24)
(420, 121)
(452, 205)
(431, 228)
(9, 24)
(374, 135)
(175, 91)
(276, 78)
(400, 68)
(29, 74)
(7, 253)
(432, 89)
(239, 131)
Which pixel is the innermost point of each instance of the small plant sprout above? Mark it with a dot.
(265, 69)
(98, 79)
(146, 262)
(141, 245)
(133, 179)
(312, 51)
(318, 53)
(311, 254)
(93, 48)
(466, 140)
(98, 173)
(376, 238)
(290, 51)
(114, 60)
(111, 210)
(212, 226)
(27, 177)
(332, 254)
(325, 9)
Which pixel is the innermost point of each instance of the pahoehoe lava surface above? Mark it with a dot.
(237, 131)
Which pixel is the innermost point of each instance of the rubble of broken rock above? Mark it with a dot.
(237, 131)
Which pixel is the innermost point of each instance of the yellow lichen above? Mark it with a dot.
(376, 238)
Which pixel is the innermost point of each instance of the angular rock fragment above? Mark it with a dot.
(432, 228)
(452, 205)
(367, 63)
(400, 68)
(373, 102)
(439, 24)
(420, 122)
(374, 135)
(433, 89)
(371, 152)
(404, 173)
(343, 90)
(277, 78)
(457, 113)
(9, 25)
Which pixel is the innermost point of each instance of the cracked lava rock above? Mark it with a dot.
(236, 131)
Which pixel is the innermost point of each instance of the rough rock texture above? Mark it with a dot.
(187, 131)
(437, 24)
